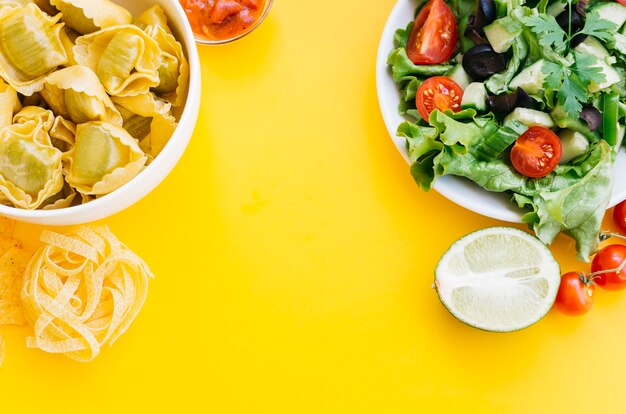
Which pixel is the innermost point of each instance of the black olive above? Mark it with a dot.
(480, 62)
(506, 103)
(578, 39)
(502, 103)
(472, 33)
(577, 21)
(592, 117)
(523, 99)
(485, 14)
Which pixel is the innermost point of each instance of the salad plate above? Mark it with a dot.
(457, 189)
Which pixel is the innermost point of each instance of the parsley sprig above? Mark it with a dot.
(570, 80)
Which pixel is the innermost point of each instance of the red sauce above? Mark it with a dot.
(222, 19)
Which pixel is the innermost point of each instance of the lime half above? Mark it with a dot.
(498, 279)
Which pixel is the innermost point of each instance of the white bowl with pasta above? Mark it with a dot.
(158, 166)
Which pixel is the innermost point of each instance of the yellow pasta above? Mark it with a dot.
(82, 291)
(87, 98)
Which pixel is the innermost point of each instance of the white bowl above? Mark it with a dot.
(459, 190)
(154, 173)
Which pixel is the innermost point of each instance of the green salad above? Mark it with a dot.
(522, 97)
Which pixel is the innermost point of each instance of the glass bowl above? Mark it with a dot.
(206, 41)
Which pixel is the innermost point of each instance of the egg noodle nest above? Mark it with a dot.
(79, 291)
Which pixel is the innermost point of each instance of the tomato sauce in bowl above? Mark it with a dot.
(221, 21)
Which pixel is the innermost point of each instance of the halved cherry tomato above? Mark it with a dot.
(622, 2)
(619, 214)
(610, 257)
(434, 34)
(438, 92)
(575, 296)
(536, 152)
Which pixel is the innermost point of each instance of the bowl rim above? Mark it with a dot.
(170, 154)
(204, 41)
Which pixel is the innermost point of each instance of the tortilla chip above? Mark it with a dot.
(1, 351)
(6, 227)
(13, 262)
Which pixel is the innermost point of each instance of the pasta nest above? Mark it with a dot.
(82, 291)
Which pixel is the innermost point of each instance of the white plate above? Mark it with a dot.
(459, 190)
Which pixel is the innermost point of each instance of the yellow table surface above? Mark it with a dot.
(294, 257)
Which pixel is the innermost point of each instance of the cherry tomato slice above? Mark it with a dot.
(536, 152)
(433, 36)
(610, 257)
(438, 92)
(623, 2)
(619, 214)
(575, 296)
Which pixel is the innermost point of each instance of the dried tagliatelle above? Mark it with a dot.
(82, 291)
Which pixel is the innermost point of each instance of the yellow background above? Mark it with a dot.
(294, 257)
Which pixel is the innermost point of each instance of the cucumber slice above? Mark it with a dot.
(530, 117)
(593, 47)
(475, 97)
(502, 33)
(459, 75)
(611, 11)
(573, 144)
(530, 78)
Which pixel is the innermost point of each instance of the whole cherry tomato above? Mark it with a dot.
(611, 259)
(576, 294)
(619, 214)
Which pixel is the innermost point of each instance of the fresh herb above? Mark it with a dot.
(597, 27)
(571, 82)
(548, 31)
(551, 35)
(586, 68)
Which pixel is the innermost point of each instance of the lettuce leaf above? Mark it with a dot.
(577, 209)
(571, 199)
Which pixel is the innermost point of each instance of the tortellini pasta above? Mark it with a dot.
(30, 166)
(30, 47)
(87, 98)
(125, 59)
(103, 158)
(76, 93)
(87, 16)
